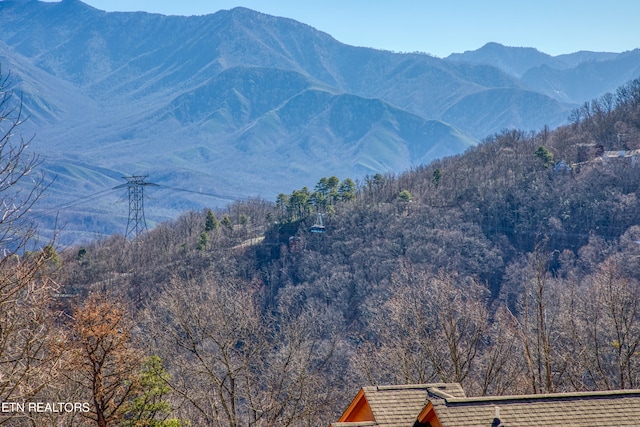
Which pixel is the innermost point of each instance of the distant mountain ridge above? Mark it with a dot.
(240, 103)
(571, 78)
(516, 61)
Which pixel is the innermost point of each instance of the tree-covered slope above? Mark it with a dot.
(177, 98)
(518, 241)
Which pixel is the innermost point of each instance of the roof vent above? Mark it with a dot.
(496, 421)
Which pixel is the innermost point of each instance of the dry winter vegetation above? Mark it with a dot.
(511, 269)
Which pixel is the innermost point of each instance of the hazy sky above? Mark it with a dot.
(439, 27)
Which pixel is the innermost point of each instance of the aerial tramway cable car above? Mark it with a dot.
(318, 227)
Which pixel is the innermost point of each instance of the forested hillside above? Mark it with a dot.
(512, 268)
(237, 103)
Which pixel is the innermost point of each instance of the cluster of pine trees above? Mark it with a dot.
(512, 268)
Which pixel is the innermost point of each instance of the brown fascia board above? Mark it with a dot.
(355, 424)
(358, 401)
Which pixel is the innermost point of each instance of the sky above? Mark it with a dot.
(439, 27)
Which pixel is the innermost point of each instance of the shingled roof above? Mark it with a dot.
(393, 406)
(445, 405)
(605, 408)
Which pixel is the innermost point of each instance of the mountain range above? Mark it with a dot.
(239, 104)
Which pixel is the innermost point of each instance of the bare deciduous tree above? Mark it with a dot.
(607, 329)
(538, 309)
(102, 360)
(433, 328)
(27, 285)
(234, 365)
(27, 335)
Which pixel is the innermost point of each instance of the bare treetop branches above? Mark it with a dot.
(20, 187)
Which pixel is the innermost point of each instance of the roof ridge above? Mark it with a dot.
(414, 386)
(549, 396)
(440, 393)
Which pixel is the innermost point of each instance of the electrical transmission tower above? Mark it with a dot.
(136, 223)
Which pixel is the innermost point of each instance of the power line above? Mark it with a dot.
(39, 213)
(136, 221)
(84, 199)
(216, 195)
